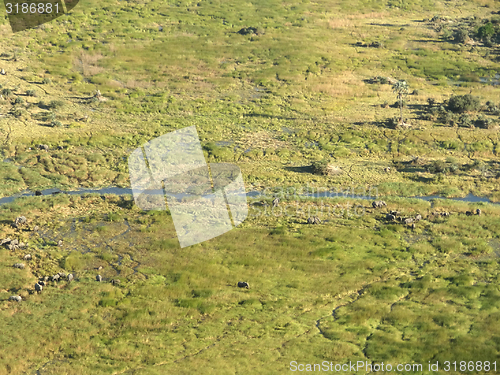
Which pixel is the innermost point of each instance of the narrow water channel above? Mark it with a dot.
(471, 198)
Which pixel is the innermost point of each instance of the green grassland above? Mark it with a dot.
(297, 89)
(398, 296)
(293, 92)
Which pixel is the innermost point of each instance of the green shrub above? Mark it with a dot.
(51, 116)
(486, 32)
(55, 104)
(440, 166)
(254, 154)
(450, 144)
(201, 293)
(30, 93)
(19, 100)
(449, 118)
(113, 217)
(437, 166)
(484, 122)
(463, 103)
(107, 302)
(46, 81)
(322, 167)
(446, 33)
(491, 107)
(466, 121)
(18, 112)
(6, 92)
(433, 114)
(383, 80)
(461, 36)
(56, 124)
(392, 122)
(219, 153)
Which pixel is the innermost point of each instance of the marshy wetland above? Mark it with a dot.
(299, 95)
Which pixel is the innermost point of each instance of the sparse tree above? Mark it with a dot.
(402, 90)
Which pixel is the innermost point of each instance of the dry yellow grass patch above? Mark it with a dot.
(87, 63)
(135, 84)
(344, 84)
(340, 23)
(260, 140)
(5, 29)
(351, 20)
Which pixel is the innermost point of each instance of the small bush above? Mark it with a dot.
(491, 107)
(440, 166)
(488, 43)
(107, 302)
(19, 100)
(30, 93)
(6, 92)
(113, 217)
(201, 293)
(392, 122)
(450, 145)
(55, 104)
(322, 167)
(450, 118)
(463, 103)
(433, 114)
(484, 122)
(461, 36)
(465, 121)
(56, 124)
(18, 112)
(446, 33)
(437, 166)
(46, 81)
